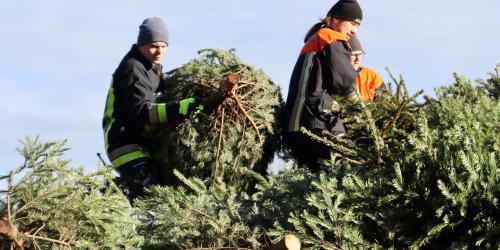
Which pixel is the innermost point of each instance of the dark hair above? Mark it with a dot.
(322, 23)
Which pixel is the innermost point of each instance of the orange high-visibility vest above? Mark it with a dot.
(367, 82)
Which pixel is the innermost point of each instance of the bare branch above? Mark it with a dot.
(249, 118)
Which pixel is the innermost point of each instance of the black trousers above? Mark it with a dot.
(305, 150)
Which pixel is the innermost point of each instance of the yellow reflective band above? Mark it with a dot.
(129, 157)
(110, 102)
(162, 112)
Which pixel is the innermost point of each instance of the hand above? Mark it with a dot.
(188, 105)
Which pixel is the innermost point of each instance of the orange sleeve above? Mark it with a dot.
(367, 82)
(322, 38)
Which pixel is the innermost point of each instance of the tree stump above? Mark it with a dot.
(289, 242)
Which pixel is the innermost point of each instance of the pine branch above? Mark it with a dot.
(389, 124)
(196, 188)
(346, 152)
(379, 141)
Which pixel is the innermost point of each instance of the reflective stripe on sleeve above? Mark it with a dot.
(129, 157)
(108, 114)
(127, 153)
(162, 112)
(123, 150)
(157, 113)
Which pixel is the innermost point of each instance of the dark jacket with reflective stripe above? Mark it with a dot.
(131, 109)
(323, 69)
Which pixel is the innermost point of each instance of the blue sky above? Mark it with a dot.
(58, 56)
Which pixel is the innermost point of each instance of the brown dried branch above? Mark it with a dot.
(38, 230)
(234, 111)
(249, 118)
(220, 138)
(255, 111)
(242, 84)
(36, 245)
(9, 188)
(60, 242)
(262, 126)
(247, 82)
(9, 232)
(241, 70)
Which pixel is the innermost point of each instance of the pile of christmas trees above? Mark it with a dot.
(420, 172)
(48, 205)
(239, 135)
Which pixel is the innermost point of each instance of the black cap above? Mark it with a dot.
(347, 9)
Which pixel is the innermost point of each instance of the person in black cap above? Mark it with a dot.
(135, 109)
(323, 70)
(368, 82)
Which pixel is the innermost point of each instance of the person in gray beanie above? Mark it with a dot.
(152, 40)
(153, 29)
(323, 70)
(136, 109)
(368, 82)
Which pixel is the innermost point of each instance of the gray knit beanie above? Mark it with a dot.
(152, 29)
(355, 44)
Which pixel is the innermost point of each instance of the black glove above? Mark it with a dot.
(135, 176)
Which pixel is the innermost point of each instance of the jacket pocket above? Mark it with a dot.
(320, 105)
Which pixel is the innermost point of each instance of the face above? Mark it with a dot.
(348, 28)
(154, 52)
(356, 57)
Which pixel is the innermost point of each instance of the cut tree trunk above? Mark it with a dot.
(289, 242)
(9, 232)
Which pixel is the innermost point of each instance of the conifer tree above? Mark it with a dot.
(415, 175)
(49, 205)
(344, 196)
(196, 217)
(240, 134)
(425, 179)
(492, 85)
(460, 139)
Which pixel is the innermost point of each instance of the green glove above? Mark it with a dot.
(188, 105)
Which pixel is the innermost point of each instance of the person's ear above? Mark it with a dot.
(334, 21)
